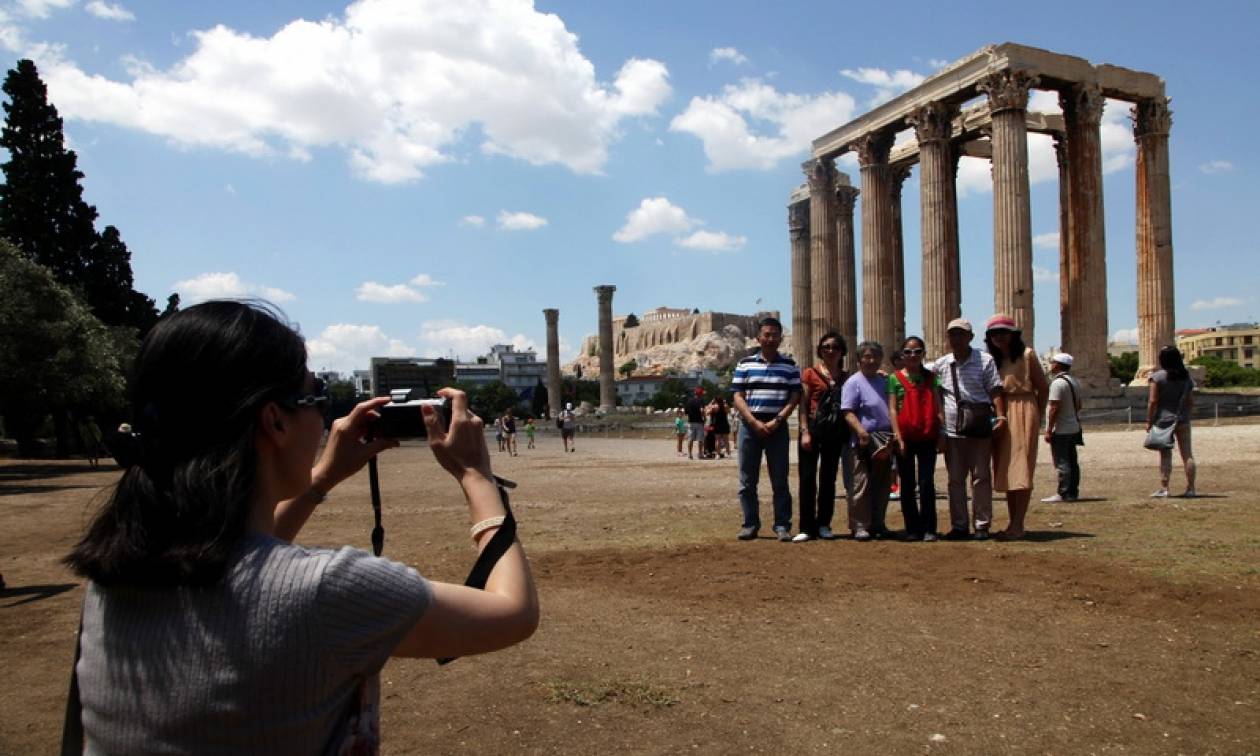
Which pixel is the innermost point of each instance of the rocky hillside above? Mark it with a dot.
(716, 350)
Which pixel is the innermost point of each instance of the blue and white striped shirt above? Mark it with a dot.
(767, 386)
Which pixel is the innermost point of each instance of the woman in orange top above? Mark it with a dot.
(820, 448)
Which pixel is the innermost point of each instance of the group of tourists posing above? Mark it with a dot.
(981, 409)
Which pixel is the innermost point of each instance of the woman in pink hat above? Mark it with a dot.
(1015, 445)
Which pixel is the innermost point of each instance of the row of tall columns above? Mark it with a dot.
(799, 233)
(938, 207)
(1151, 123)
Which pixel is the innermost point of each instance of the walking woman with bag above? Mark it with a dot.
(1168, 408)
(917, 426)
(204, 628)
(823, 438)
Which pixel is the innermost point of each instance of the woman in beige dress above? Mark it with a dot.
(1015, 446)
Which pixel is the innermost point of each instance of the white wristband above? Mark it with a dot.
(486, 524)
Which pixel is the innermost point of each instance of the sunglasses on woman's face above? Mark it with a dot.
(912, 352)
(318, 397)
(831, 347)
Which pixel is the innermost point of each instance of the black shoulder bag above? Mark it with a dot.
(973, 419)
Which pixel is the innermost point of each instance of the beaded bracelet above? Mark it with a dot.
(486, 524)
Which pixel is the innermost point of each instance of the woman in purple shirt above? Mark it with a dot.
(864, 400)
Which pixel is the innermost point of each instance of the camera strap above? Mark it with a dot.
(499, 543)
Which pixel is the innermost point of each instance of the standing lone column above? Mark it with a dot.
(1087, 256)
(607, 391)
(798, 232)
(1066, 294)
(877, 238)
(846, 195)
(899, 175)
(1151, 123)
(938, 203)
(1012, 229)
(825, 302)
(555, 402)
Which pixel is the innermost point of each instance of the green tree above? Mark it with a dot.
(492, 399)
(42, 210)
(1220, 373)
(631, 321)
(628, 368)
(172, 305)
(538, 403)
(58, 358)
(1124, 366)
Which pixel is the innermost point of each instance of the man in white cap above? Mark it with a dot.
(1063, 427)
(568, 424)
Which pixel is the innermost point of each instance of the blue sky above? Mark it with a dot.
(420, 177)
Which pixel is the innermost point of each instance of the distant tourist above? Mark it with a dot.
(498, 433)
(92, 439)
(970, 388)
(509, 431)
(568, 426)
(530, 430)
(822, 437)
(1024, 389)
(719, 418)
(1170, 403)
(695, 422)
(767, 388)
(864, 399)
(1063, 428)
(680, 429)
(916, 421)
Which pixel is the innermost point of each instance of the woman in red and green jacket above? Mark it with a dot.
(916, 424)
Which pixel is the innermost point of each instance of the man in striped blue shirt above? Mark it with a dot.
(767, 387)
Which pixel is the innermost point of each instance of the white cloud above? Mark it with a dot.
(1216, 303)
(395, 84)
(371, 291)
(727, 124)
(1216, 166)
(1047, 241)
(226, 286)
(887, 84)
(347, 346)
(424, 279)
(712, 241)
(520, 221)
(472, 220)
(1045, 275)
(42, 8)
(730, 54)
(654, 215)
(1125, 336)
(102, 9)
(937, 62)
(442, 338)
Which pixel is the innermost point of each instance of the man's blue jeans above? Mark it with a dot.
(775, 448)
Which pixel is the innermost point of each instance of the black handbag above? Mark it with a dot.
(973, 419)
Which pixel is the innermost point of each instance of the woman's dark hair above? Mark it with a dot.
(828, 336)
(1015, 351)
(199, 380)
(922, 345)
(1171, 362)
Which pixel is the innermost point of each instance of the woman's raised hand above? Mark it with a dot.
(461, 450)
(346, 453)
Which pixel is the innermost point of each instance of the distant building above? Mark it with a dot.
(1237, 343)
(329, 376)
(425, 375)
(639, 389)
(521, 371)
(477, 373)
(362, 380)
(1120, 348)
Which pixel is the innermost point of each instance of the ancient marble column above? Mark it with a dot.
(555, 401)
(1012, 229)
(899, 175)
(1151, 123)
(938, 203)
(877, 238)
(607, 391)
(1065, 238)
(798, 233)
(823, 265)
(1087, 254)
(846, 196)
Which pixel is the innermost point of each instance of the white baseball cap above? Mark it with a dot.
(1063, 358)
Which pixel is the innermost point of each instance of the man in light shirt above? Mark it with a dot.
(1063, 428)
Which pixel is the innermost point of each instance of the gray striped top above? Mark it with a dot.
(268, 660)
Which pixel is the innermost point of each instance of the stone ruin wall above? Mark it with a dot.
(662, 328)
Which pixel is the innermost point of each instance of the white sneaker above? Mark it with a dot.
(1160, 494)
(1053, 499)
(825, 533)
(802, 538)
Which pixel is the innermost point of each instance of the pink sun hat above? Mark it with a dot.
(1000, 322)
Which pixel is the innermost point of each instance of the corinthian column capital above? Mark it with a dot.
(1007, 90)
(873, 148)
(1151, 117)
(1082, 104)
(798, 219)
(604, 293)
(933, 122)
(820, 174)
(846, 196)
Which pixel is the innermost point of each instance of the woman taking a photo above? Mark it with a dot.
(1170, 402)
(204, 628)
(917, 427)
(1026, 390)
(820, 448)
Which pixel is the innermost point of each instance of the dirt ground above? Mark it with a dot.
(1122, 625)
